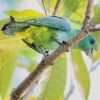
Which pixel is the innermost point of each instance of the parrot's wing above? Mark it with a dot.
(53, 22)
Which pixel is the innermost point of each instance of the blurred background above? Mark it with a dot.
(17, 60)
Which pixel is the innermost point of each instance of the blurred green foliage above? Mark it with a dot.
(53, 84)
(81, 73)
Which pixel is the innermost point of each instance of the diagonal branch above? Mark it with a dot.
(44, 7)
(87, 15)
(56, 7)
(30, 89)
(45, 64)
(48, 61)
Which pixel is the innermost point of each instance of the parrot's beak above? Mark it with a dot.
(92, 52)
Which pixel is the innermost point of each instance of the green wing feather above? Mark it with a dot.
(51, 22)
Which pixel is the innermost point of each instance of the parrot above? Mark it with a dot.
(46, 33)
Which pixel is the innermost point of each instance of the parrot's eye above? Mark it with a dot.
(92, 41)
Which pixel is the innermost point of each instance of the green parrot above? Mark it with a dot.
(46, 33)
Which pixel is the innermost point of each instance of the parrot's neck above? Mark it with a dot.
(73, 32)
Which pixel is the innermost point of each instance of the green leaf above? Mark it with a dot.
(31, 56)
(29, 53)
(73, 10)
(96, 17)
(24, 14)
(61, 97)
(96, 20)
(53, 84)
(12, 42)
(1, 97)
(7, 61)
(80, 72)
(31, 98)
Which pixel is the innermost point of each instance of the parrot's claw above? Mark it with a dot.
(46, 54)
(64, 42)
(57, 41)
(60, 43)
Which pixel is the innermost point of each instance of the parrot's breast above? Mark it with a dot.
(44, 37)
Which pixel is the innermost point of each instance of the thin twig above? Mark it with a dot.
(87, 15)
(56, 7)
(94, 67)
(44, 7)
(70, 93)
(71, 90)
(93, 29)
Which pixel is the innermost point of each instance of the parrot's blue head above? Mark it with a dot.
(89, 45)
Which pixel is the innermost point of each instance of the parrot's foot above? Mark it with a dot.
(64, 42)
(46, 54)
(60, 43)
(57, 41)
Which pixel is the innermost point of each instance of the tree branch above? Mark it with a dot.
(30, 89)
(87, 15)
(45, 63)
(44, 7)
(15, 95)
(94, 29)
(56, 7)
